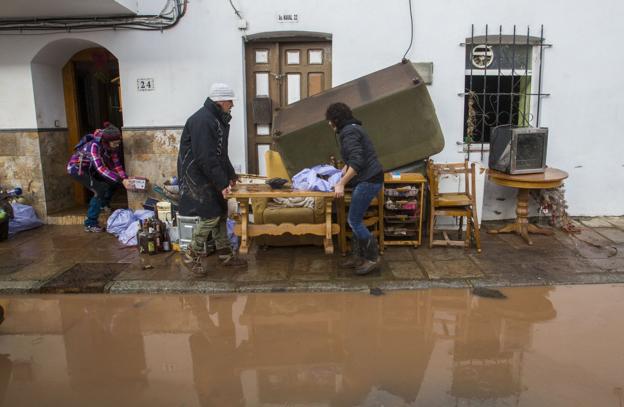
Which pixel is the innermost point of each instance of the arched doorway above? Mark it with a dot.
(92, 96)
(76, 87)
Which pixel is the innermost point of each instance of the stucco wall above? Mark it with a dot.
(581, 72)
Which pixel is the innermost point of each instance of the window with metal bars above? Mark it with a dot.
(503, 83)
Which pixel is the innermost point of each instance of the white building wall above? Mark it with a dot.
(580, 71)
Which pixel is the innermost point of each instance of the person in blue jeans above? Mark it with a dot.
(96, 164)
(362, 172)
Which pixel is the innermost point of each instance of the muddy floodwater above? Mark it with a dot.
(541, 346)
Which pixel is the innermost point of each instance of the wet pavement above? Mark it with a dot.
(35, 261)
(542, 346)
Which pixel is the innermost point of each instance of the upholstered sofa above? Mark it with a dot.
(266, 213)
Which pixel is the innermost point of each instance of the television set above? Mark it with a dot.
(518, 150)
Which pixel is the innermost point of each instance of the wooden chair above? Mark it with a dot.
(456, 204)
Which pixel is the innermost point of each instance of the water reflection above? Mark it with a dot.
(490, 345)
(264, 350)
(103, 339)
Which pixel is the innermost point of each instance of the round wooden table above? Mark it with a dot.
(550, 178)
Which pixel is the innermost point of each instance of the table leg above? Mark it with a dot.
(342, 237)
(522, 226)
(327, 242)
(244, 211)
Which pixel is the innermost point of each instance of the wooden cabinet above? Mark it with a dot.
(403, 209)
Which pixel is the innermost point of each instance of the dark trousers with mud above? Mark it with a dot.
(102, 195)
(215, 227)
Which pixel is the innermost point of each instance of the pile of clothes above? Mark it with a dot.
(320, 178)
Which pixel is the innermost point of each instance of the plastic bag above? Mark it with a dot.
(230, 232)
(129, 236)
(124, 224)
(119, 221)
(24, 218)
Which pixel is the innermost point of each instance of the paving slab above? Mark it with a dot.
(446, 269)
(611, 264)
(313, 268)
(617, 221)
(599, 222)
(614, 234)
(409, 270)
(398, 254)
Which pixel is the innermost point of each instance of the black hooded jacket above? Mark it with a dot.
(204, 168)
(358, 152)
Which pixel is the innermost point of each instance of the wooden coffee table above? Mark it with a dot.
(246, 230)
(551, 178)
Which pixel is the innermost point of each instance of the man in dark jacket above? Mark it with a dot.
(206, 176)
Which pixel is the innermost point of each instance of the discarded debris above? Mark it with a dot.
(488, 293)
(148, 267)
(376, 291)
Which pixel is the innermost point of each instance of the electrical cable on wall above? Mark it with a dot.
(242, 22)
(235, 10)
(404, 60)
(171, 14)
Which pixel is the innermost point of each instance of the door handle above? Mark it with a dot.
(277, 76)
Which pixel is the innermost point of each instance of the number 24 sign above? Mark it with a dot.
(145, 84)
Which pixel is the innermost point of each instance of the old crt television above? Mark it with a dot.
(518, 150)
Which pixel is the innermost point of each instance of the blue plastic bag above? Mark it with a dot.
(24, 218)
(124, 224)
(119, 221)
(230, 232)
(129, 236)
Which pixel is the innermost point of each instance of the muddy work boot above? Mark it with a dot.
(355, 257)
(370, 254)
(224, 253)
(232, 260)
(192, 261)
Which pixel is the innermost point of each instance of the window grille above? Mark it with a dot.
(503, 83)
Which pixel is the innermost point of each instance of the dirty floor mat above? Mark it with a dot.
(83, 278)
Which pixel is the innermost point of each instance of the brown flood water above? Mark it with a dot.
(542, 346)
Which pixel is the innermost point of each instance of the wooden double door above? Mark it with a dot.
(278, 74)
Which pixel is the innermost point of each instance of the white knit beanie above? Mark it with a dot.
(220, 92)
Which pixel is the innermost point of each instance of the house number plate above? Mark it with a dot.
(145, 84)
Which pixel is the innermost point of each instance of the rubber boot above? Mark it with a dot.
(370, 254)
(355, 257)
(192, 261)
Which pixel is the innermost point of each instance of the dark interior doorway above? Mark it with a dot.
(92, 97)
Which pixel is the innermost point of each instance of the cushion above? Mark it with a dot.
(288, 215)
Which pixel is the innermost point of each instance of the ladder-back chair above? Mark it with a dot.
(456, 204)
